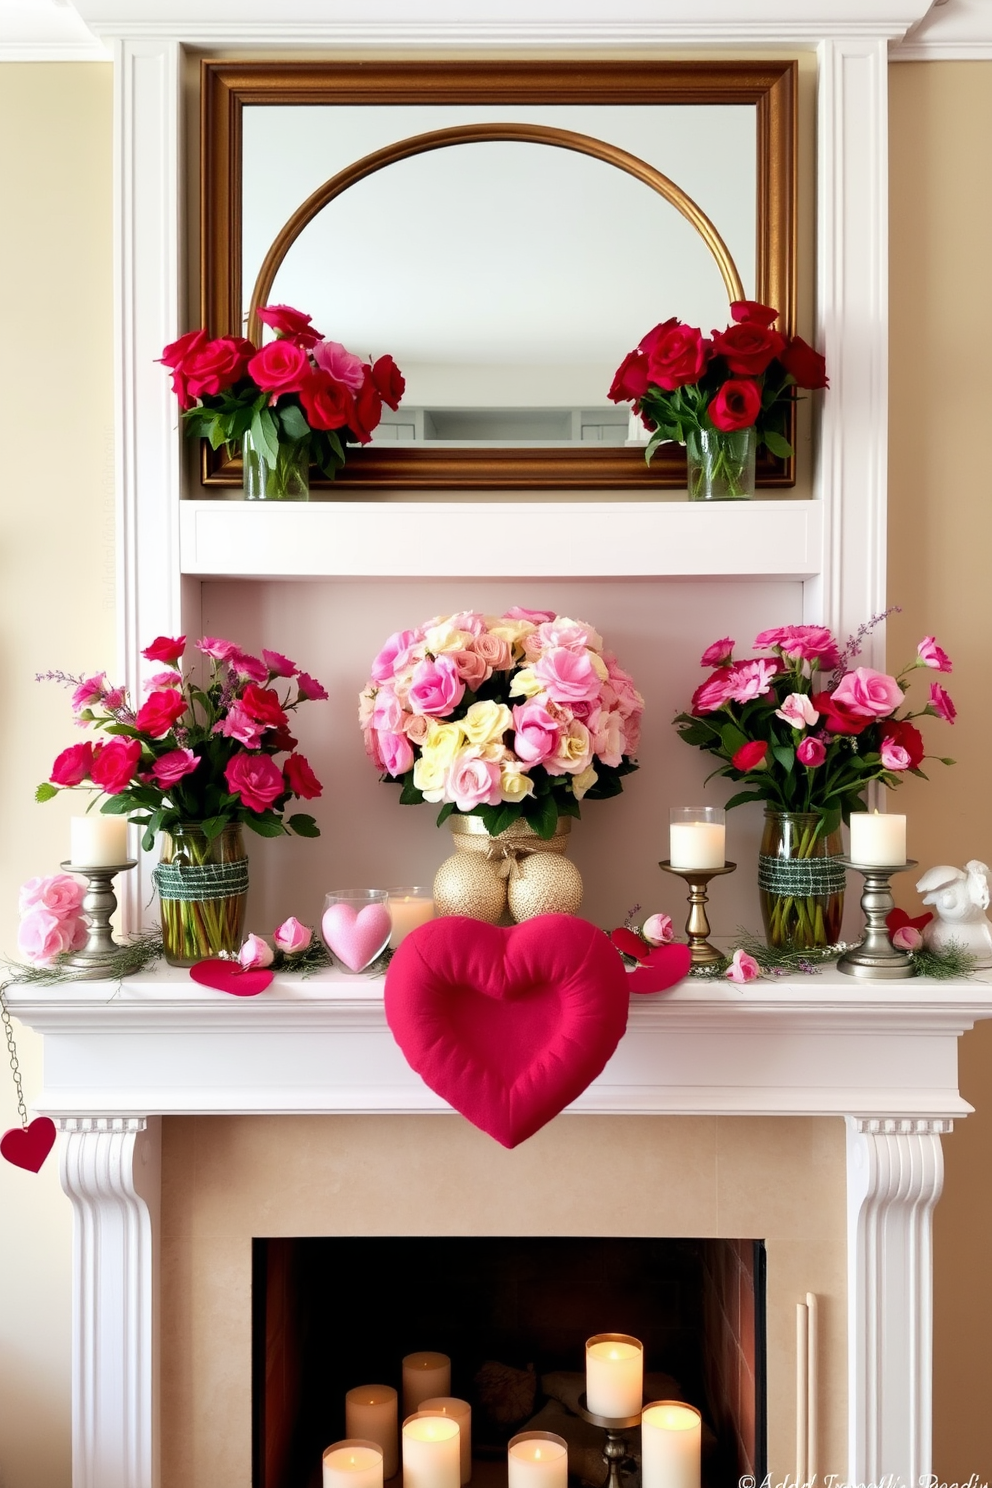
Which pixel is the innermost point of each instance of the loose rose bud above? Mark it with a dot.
(292, 938)
(907, 938)
(255, 953)
(743, 968)
(657, 930)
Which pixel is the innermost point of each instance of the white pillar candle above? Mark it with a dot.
(537, 1459)
(697, 837)
(614, 1376)
(424, 1375)
(460, 1411)
(670, 1445)
(97, 841)
(409, 908)
(352, 1464)
(431, 1452)
(878, 840)
(371, 1411)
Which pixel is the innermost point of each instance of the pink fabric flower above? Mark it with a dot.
(292, 938)
(73, 765)
(798, 710)
(173, 766)
(114, 764)
(868, 693)
(658, 930)
(279, 665)
(473, 782)
(42, 935)
(437, 688)
(567, 676)
(811, 752)
(906, 938)
(255, 953)
(743, 968)
(932, 655)
(750, 756)
(535, 733)
(893, 755)
(343, 365)
(941, 704)
(718, 654)
(60, 893)
(237, 724)
(256, 778)
(310, 688)
(395, 753)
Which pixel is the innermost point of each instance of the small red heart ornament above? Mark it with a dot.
(228, 976)
(897, 918)
(666, 965)
(632, 945)
(28, 1146)
(508, 1025)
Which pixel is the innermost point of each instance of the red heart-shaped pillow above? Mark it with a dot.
(509, 1025)
(28, 1146)
(664, 966)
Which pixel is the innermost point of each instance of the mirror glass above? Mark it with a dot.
(508, 279)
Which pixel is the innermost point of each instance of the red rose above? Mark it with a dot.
(292, 324)
(678, 357)
(805, 365)
(165, 648)
(764, 315)
(73, 765)
(736, 406)
(300, 778)
(262, 704)
(114, 764)
(630, 381)
(838, 717)
(256, 778)
(366, 411)
(389, 381)
(160, 711)
(281, 739)
(906, 737)
(176, 355)
(658, 333)
(750, 756)
(218, 365)
(280, 367)
(747, 348)
(326, 403)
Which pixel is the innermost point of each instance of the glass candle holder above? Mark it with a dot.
(355, 926)
(697, 837)
(409, 908)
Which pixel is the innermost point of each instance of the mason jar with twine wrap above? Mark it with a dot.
(508, 878)
(203, 890)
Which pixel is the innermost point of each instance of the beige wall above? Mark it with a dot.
(56, 612)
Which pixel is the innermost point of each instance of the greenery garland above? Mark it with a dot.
(131, 956)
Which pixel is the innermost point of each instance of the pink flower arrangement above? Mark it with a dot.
(195, 751)
(518, 715)
(52, 919)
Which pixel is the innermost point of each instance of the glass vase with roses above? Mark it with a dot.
(722, 396)
(806, 731)
(193, 764)
(299, 398)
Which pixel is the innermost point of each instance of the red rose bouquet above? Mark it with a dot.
(300, 397)
(685, 385)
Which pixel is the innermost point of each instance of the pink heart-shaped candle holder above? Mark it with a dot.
(356, 926)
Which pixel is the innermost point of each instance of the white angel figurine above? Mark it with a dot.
(960, 897)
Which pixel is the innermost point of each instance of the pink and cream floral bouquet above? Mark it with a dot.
(521, 715)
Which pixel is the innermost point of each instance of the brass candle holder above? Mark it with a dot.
(615, 1452)
(876, 958)
(697, 926)
(94, 961)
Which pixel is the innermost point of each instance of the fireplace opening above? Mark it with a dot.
(513, 1315)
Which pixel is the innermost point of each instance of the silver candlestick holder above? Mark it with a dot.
(94, 961)
(876, 958)
(615, 1452)
(697, 926)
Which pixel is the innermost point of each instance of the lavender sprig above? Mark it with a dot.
(855, 643)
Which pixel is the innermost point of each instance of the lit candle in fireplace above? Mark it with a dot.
(670, 1445)
(424, 1376)
(537, 1459)
(460, 1411)
(431, 1453)
(614, 1376)
(352, 1464)
(371, 1411)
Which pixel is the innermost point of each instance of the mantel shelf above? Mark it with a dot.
(478, 539)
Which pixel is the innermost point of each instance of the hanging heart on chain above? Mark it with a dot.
(28, 1146)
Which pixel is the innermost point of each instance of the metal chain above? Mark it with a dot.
(15, 1068)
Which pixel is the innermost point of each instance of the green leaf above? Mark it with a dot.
(731, 738)
(121, 805)
(293, 423)
(545, 818)
(742, 797)
(46, 791)
(303, 825)
(264, 437)
(786, 757)
(497, 818)
(212, 826)
(410, 795)
(778, 445)
(831, 820)
(444, 813)
(263, 825)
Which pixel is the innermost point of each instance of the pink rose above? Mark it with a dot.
(387, 711)
(59, 892)
(256, 778)
(567, 676)
(395, 753)
(165, 649)
(797, 710)
(280, 367)
(535, 733)
(628, 699)
(255, 953)
(718, 654)
(73, 765)
(494, 651)
(392, 657)
(802, 643)
(940, 703)
(279, 665)
(471, 668)
(574, 750)
(237, 724)
(292, 938)
(341, 363)
(114, 764)
(159, 712)
(160, 680)
(574, 635)
(416, 727)
(436, 688)
(657, 930)
(217, 366)
(42, 935)
(868, 693)
(932, 655)
(173, 766)
(750, 756)
(469, 620)
(893, 755)
(743, 968)
(906, 938)
(609, 738)
(536, 617)
(472, 782)
(310, 688)
(811, 752)
(92, 690)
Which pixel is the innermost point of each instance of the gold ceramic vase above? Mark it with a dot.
(508, 878)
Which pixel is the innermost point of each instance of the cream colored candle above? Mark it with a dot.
(352, 1464)
(431, 1452)
(537, 1459)
(371, 1411)
(97, 841)
(614, 1376)
(670, 1445)
(878, 840)
(460, 1411)
(409, 908)
(424, 1375)
(697, 837)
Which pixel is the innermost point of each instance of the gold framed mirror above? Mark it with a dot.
(533, 95)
